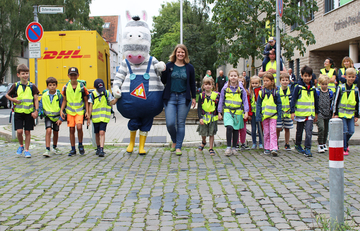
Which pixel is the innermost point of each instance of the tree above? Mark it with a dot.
(197, 31)
(241, 31)
(16, 15)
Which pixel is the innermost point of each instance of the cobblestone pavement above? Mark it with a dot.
(161, 191)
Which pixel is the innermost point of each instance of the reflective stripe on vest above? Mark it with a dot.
(101, 109)
(285, 102)
(270, 65)
(26, 97)
(253, 103)
(209, 107)
(347, 104)
(331, 86)
(233, 101)
(305, 106)
(74, 100)
(268, 106)
(51, 109)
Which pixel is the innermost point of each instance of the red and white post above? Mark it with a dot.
(336, 173)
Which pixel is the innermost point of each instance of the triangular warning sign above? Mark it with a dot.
(139, 92)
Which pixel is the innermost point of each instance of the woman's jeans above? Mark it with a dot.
(349, 129)
(176, 112)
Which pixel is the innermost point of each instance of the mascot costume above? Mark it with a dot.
(137, 83)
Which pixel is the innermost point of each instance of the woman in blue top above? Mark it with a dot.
(179, 94)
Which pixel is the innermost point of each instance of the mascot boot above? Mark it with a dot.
(142, 140)
(130, 148)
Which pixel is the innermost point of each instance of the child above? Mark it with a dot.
(346, 63)
(268, 110)
(242, 131)
(49, 106)
(346, 106)
(208, 114)
(325, 113)
(286, 121)
(255, 83)
(75, 96)
(233, 100)
(304, 110)
(24, 95)
(100, 110)
(269, 48)
(331, 72)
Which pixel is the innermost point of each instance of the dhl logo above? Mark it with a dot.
(101, 56)
(74, 54)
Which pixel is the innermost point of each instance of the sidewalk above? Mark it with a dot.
(118, 134)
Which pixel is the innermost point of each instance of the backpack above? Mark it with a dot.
(18, 84)
(331, 93)
(273, 92)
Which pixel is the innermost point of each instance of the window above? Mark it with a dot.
(301, 3)
(291, 64)
(333, 4)
(106, 25)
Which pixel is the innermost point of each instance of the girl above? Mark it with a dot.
(242, 131)
(255, 83)
(233, 100)
(345, 64)
(268, 110)
(207, 112)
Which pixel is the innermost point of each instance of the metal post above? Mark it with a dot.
(336, 173)
(277, 44)
(181, 21)
(93, 136)
(13, 132)
(36, 67)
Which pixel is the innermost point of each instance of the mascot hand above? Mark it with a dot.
(116, 92)
(160, 66)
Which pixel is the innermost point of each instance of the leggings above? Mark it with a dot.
(231, 135)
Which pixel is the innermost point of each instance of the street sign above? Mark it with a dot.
(281, 10)
(34, 46)
(51, 9)
(34, 32)
(34, 54)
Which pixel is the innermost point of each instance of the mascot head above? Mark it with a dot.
(136, 39)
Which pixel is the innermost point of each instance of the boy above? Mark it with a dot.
(286, 121)
(325, 113)
(100, 109)
(24, 95)
(346, 106)
(49, 106)
(304, 109)
(269, 48)
(75, 96)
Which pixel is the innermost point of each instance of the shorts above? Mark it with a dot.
(286, 123)
(101, 126)
(24, 121)
(73, 120)
(236, 121)
(50, 124)
(209, 129)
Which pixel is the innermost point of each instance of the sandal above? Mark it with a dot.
(201, 147)
(212, 152)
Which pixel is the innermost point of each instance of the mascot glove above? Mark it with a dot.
(116, 92)
(160, 66)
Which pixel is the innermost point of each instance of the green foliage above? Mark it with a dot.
(197, 32)
(240, 28)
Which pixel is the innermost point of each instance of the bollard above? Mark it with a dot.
(13, 132)
(93, 136)
(336, 173)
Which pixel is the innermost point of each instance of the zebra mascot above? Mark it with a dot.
(137, 83)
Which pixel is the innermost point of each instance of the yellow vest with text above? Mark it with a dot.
(347, 104)
(285, 102)
(101, 110)
(331, 86)
(305, 105)
(209, 107)
(51, 109)
(233, 101)
(268, 106)
(270, 65)
(26, 97)
(74, 100)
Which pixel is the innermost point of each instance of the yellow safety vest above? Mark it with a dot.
(347, 104)
(268, 106)
(26, 97)
(331, 86)
(75, 102)
(233, 101)
(305, 105)
(253, 103)
(270, 65)
(285, 102)
(101, 110)
(343, 70)
(51, 109)
(209, 107)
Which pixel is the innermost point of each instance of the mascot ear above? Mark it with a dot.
(144, 16)
(128, 16)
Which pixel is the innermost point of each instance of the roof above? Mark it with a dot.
(110, 33)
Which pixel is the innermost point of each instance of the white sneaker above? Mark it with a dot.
(56, 151)
(228, 152)
(46, 153)
(234, 151)
(321, 149)
(325, 147)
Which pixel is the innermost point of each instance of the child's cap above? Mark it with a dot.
(271, 39)
(99, 85)
(73, 70)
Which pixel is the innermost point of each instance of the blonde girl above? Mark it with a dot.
(345, 64)
(233, 102)
(268, 110)
(255, 86)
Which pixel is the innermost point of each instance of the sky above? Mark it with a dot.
(119, 7)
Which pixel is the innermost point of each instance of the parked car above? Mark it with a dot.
(4, 88)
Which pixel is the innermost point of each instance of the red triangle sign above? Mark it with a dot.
(139, 92)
